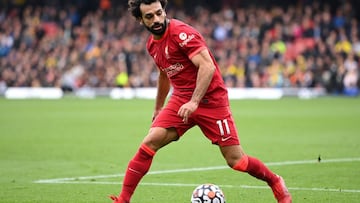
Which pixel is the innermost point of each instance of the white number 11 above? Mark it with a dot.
(221, 124)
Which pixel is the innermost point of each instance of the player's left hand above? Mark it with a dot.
(187, 109)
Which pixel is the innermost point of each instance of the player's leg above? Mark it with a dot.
(218, 126)
(141, 162)
(166, 127)
(238, 160)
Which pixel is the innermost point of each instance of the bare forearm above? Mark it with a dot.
(163, 89)
(203, 81)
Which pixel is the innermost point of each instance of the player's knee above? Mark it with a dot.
(151, 143)
(241, 164)
(232, 154)
(231, 162)
(158, 138)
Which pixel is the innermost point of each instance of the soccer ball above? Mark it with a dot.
(207, 193)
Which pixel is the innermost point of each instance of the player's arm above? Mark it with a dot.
(163, 88)
(206, 67)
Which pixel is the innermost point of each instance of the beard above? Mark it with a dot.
(158, 28)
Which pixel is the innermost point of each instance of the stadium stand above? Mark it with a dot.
(75, 44)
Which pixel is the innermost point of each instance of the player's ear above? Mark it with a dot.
(140, 21)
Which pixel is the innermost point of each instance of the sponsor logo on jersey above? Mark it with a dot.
(185, 39)
(173, 69)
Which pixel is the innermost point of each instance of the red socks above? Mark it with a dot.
(141, 162)
(256, 168)
(137, 168)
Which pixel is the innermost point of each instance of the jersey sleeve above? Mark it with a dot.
(189, 40)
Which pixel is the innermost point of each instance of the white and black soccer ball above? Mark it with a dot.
(207, 193)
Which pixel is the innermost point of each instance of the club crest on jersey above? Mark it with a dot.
(185, 38)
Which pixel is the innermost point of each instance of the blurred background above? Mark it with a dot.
(75, 44)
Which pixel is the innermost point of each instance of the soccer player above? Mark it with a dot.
(199, 98)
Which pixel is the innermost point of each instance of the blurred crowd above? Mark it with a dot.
(303, 45)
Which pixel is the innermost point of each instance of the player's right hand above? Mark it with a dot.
(156, 112)
(186, 110)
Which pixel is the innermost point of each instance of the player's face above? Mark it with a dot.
(153, 18)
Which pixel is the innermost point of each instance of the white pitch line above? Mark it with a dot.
(285, 163)
(253, 187)
(222, 186)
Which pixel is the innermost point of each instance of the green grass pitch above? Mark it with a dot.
(75, 151)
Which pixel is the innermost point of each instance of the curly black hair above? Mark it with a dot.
(134, 6)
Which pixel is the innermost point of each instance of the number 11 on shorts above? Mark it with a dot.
(221, 124)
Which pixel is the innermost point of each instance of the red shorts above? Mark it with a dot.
(217, 123)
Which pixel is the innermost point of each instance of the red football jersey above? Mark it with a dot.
(172, 54)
